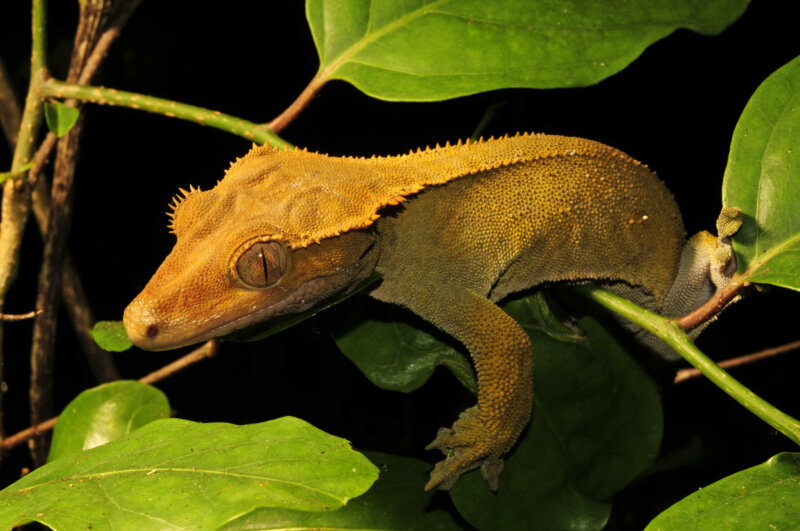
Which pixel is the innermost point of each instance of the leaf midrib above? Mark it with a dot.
(154, 470)
(325, 73)
(371, 36)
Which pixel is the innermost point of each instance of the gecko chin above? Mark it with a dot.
(149, 332)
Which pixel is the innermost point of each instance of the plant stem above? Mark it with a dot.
(16, 193)
(673, 335)
(257, 133)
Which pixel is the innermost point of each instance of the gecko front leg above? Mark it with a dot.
(503, 358)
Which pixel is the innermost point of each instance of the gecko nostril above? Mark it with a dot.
(152, 331)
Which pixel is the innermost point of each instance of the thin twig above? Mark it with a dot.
(19, 316)
(686, 374)
(290, 113)
(28, 433)
(206, 350)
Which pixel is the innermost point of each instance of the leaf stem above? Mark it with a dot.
(258, 133)
(302, 101)
(669, 331)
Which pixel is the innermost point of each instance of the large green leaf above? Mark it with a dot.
(105, 413)
(391, 352)
(397, 501)
(596, 425)
(174, 473)
(763, 179)
(766, 496)
(426, 50)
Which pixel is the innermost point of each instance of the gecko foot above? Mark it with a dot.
(468, 445)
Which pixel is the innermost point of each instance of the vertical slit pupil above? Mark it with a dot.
(264, 265)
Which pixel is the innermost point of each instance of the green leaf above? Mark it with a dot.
(596, 425)
(174, 473)
(597, 418)
(762, 179)
(106, 413)
(761, 497)
(111, 336)
(423, 50)
(393, 353)
(60, 118)
(397, 501)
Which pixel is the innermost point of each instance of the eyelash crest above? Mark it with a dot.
(177, 200)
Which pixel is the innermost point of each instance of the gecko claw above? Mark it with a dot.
(467, 445)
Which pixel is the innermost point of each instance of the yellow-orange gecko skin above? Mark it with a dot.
(451, 230)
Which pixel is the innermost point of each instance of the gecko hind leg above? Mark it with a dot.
(503, 358)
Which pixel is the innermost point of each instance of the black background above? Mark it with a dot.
(674, 108)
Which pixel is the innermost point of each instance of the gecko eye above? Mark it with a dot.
(262, 265)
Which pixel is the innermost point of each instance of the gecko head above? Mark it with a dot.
(235, 265)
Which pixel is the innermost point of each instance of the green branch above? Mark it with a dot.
(673, 335)
(38, 37)
(258, 133)
(16, 199)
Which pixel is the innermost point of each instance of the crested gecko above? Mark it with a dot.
(451, 231)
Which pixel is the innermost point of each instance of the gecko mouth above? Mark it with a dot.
(149, 331)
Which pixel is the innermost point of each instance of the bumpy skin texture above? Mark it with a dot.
(451, 230)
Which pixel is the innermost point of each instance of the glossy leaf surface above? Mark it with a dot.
(105, 413)
(174, 473)
(766, 496)
(423, 50)
(762, 178)
(397, 501)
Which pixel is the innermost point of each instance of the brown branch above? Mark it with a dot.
(686, 374)
(10, 113)
(74, 298)
(302, 101)
(95, 18)
(40, 158)
(90, 66)
(206, 350)
(120, 18)
(28, 433)
(18, 316)
(44, 331)
(712, 306)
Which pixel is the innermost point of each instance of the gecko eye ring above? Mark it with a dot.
(262, 264)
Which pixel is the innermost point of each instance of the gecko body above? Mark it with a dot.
(451, 231)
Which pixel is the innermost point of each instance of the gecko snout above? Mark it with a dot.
(143, 325)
